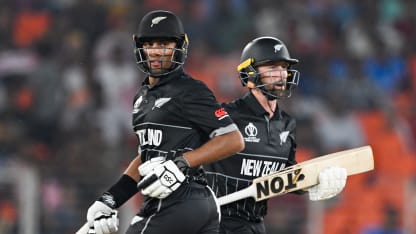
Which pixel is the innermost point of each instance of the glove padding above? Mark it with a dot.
(332, 181)
(168, 177)
(102, 219)
(149, 165)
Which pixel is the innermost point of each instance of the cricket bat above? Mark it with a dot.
(296, 177)
(304, 174)
(84, 229)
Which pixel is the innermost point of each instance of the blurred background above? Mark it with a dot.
(68, 76)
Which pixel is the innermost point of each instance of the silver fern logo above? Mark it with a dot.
(137, 104)
(277, 47)
(157, 20)
(160, 102)
(283, 137)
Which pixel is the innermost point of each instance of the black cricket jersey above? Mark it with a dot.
(269, 146)
(178, 114)
(175, 115)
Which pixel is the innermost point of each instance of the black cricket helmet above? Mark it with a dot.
(261, 51)
(163, 25)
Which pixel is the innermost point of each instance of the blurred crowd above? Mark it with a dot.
(68, 77)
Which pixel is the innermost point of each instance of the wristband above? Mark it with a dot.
(182, 164)
(120, 192)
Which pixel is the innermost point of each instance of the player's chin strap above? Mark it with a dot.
(332, 181)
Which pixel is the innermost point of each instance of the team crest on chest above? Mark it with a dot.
(137, 104)
(283, 137)
(160, 102)
(251, 133)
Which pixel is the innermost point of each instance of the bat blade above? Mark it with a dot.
(83, 230)
(304, 174)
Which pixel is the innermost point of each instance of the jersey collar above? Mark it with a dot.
(165, 79)
(256, 107)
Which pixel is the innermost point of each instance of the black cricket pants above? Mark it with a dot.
(231, 225)
(189, 210)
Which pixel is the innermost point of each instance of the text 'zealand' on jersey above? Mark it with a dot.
(256, 168)
(149, 137)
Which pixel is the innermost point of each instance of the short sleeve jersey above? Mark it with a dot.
(269, 146)
(177, 114)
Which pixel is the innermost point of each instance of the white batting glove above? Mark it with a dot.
(163, 180)
(102, 219)
(149, 165)
(332, 181)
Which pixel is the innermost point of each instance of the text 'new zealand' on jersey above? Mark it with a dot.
(179, 113)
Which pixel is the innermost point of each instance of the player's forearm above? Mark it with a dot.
(124, 188)
(132, 169)
(215, 149)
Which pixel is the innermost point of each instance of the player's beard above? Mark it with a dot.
(163, 66)
(275, 90)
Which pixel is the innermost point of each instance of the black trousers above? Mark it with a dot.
(231, 225)
(189, 210)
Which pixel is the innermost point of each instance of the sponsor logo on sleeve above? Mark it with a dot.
(221, 113)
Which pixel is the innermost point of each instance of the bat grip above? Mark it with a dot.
(85, 229)
(148, 181)
(241, 194)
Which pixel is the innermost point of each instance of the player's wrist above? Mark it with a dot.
(108, 200)
(183, 164)
(120, 192)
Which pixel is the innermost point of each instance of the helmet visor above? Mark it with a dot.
(159, 63)
(274, 83)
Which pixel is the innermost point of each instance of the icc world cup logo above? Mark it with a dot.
(251, 133)
(251, 130)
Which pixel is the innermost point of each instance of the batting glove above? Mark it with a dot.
(149, 165)
(332, 181)
(102, 219)
(162, 180)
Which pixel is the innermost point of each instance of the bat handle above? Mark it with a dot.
(85, 229)
(148, 181)
(232, 197)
